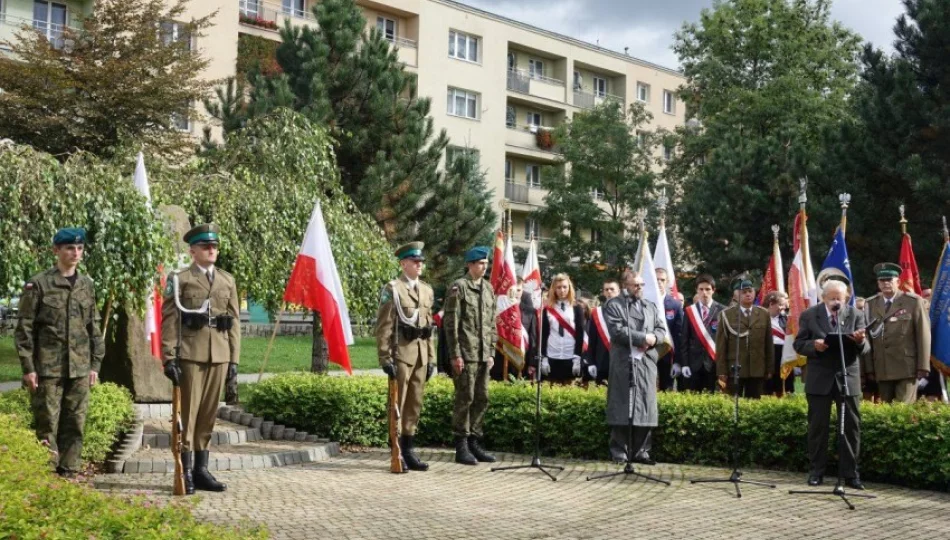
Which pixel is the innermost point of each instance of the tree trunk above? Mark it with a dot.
(318, 356)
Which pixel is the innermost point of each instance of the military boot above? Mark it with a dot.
(187, 462)
(479, 452)
(202, 478)
(462, 454)
(410, 457)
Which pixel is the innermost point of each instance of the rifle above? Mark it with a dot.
(395, 453)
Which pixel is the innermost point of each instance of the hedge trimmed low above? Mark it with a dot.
(900, 444)
(110, 412)
(38, 504)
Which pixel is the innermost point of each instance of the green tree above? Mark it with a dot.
(606, 151)
(126, 74)
(895, 149)
(386, 146)
(766, 79)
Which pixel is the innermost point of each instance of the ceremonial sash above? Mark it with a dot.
(702, 334)
(601, 327)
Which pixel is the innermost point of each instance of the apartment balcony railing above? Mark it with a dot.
(535, 84)
(587, 100)
(269, 15)
(516, 192)
(10, 25)
(531, 136)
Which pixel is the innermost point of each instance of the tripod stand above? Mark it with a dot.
(735, 478)
(631, 394)
(536, 458)
(843, 443)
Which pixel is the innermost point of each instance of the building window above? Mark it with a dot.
(176, 32)
(596, 235)
(667, 152)
(535, 68)
(508, 172)
(532, 175)
(453, 153)
(600, 87)
(182, 121)
(296, 8)
(532, 229)
(251, 8)
(642, 140)
(643, 92)
(50, 19)
(463, 46)
(533, 119)
(387, 27)
(669, 102)
(597, 194)
(511, 117)
(462, 103)
(578, 81)
(512, 61)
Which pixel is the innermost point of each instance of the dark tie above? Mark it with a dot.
(705, 311)
(887, 305)
(210, 277)
(561, 328)
(834, 320)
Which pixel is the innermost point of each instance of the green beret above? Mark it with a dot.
(412, 250)
(479, 253)
(69, 235)
(206, 233)
(887, 270)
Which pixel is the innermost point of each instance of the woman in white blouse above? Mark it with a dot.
(562, 333)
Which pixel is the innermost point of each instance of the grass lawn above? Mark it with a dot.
(292, 353)
(9, 363)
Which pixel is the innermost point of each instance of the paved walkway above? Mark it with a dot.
(353, 496)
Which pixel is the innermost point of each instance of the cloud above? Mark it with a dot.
(647, 26)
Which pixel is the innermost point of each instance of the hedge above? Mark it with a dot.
(110, 412)
(900, 444)
(38, 504)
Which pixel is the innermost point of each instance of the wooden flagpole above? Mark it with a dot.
(270, 344)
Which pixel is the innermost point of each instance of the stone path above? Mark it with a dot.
(353, 496)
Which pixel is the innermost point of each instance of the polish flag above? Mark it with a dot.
(153, 300)
(508, 309)
(662, 259)
(532, 276)
(315, 284)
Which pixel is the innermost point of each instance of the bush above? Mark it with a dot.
(110, 412)
(900, 444)
(38, 504)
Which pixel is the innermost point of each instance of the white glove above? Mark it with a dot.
(576, 368)
(545, 367)
(592, 371)
(922, 383)
(675, 372)
(687, 372)
(797, 371)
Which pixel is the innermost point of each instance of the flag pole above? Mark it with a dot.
(506, 212)
(942, 376)
(845, 200)
(903, 220)
(270, 344)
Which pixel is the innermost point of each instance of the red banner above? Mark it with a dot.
(910, 277)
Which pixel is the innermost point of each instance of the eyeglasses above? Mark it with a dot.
(637, 285)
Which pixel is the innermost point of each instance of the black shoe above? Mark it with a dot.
(187, 463)
(65, 473)
(202, 478)
(411, 459)
(462, 454)
(479, 452)
(815, 480)
(644, 458)
(854, 483)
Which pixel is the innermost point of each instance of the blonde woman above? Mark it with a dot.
(562, 333)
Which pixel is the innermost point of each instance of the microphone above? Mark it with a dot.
(835, 307)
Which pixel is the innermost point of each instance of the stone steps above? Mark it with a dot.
(236, 457)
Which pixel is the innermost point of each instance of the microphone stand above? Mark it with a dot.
(843, 443)
(628, 468)
(536, 458)
(736, 477)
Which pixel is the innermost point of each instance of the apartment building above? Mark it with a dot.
(496, 84)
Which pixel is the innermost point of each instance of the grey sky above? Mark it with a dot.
(647, 26)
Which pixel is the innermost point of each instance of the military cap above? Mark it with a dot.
(887, 270)
(69, 235)
(206, 233)
(478, 253)
(412, 250)
(742, 282)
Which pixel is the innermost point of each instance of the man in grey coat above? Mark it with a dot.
(636, 328)
(818, 329)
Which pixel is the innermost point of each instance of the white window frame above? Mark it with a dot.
(532, 175)
(290, 7)
(176, 33)
(596, 235)
(534, 119)
(643, 92)
(667, 152)
(529, 225)
(578, 81)
(597, 194)
(641, 139)
(509, 172)
(535, 68)
(381, 23)
(183, 123)
(471, 100)
(464, 46)
(669, 102)
(512, 61)
(453, 152)
(598, 83)
(48, 29)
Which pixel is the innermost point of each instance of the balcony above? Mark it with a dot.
(516, 192)
(270, 16)
(534, 84)
(407, 50)
(10, 26)
(585, 100)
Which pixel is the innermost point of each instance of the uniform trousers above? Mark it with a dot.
(900, 390)
(411, 379)
(201, 385)
(59, 413)
(471, 399)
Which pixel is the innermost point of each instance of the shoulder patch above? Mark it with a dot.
(385, 295)
(29, 286)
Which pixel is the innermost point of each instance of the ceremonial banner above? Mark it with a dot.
(651, 291)
(508, 309)
(910, 276)
(773, 279)
(802, 293)
(940, 315)
(153, 301)
(662, 259)
(837, 263)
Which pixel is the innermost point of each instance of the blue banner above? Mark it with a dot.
(837, 263)
(940, 314)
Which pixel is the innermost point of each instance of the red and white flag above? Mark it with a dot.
(802, 293)
(909, 280)
(532, 276)
(315, 284)
(773, 281)
(662, 259)
(153, 300)
(508, 310)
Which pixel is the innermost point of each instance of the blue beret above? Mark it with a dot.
(478, 253)
(69, 235)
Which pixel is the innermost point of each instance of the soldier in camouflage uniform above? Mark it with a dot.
(60, 349)
(470, 331)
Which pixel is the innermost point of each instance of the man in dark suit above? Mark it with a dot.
(817, 339)
(696, 356)
(673, 311)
